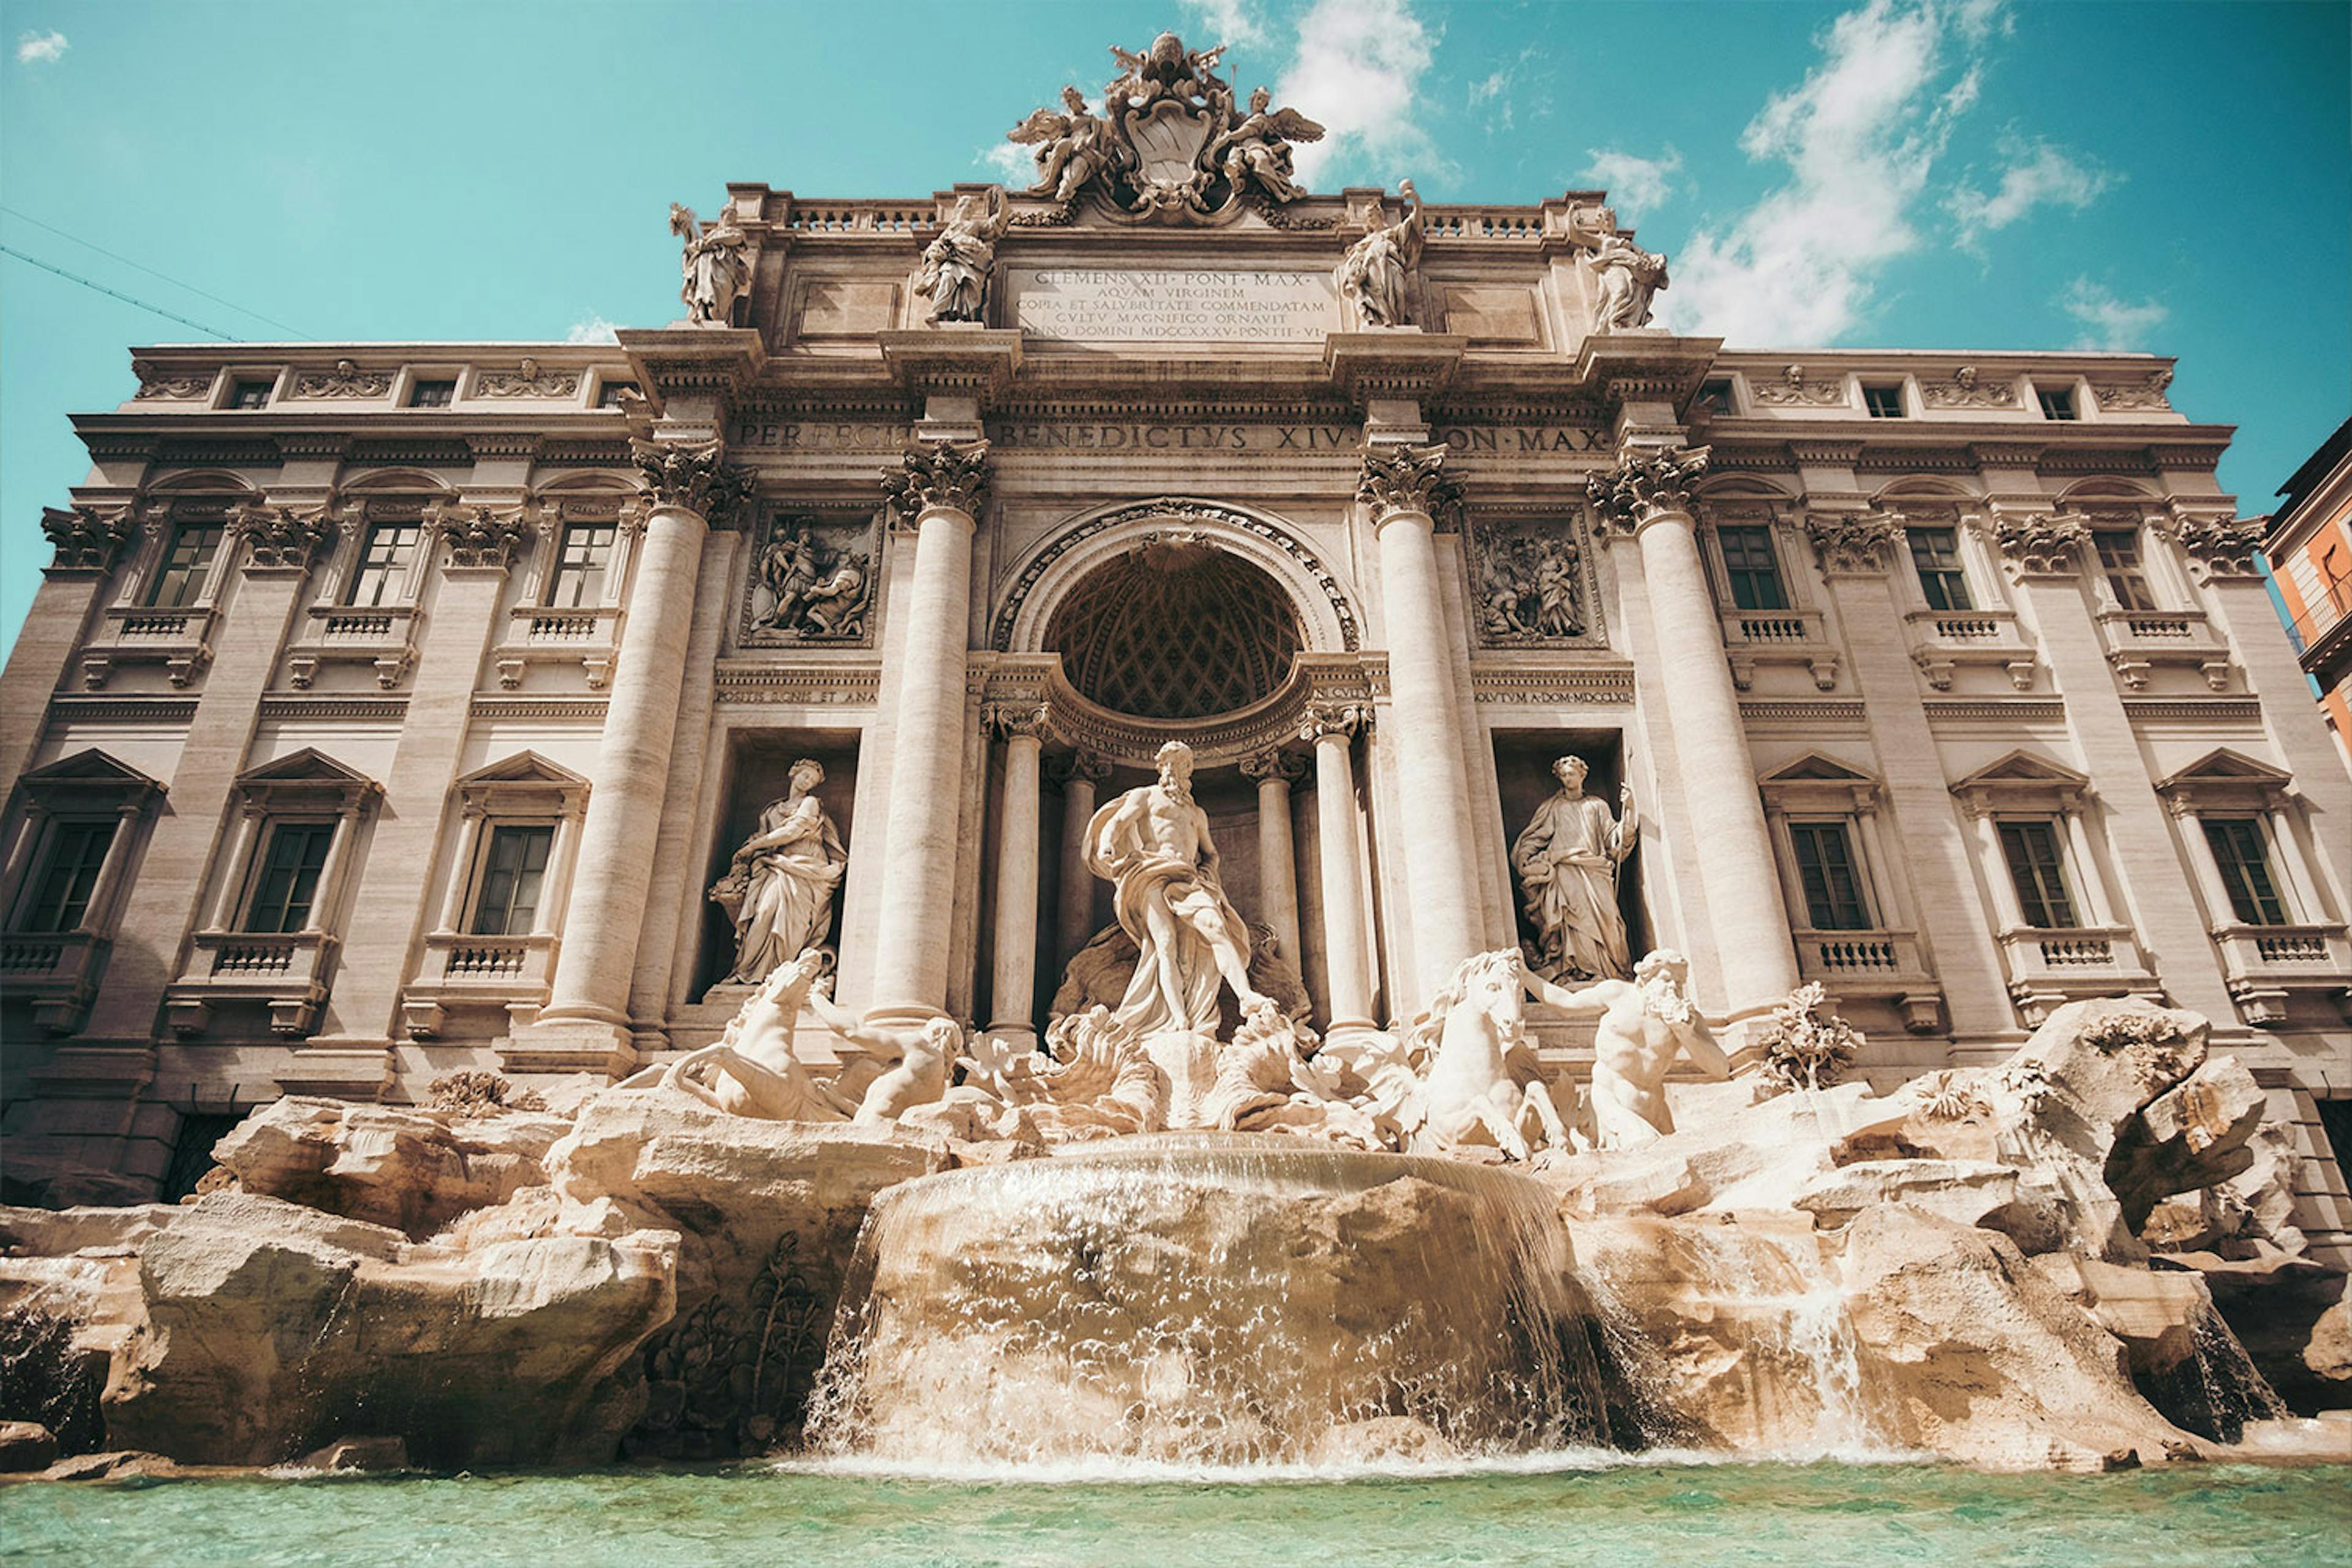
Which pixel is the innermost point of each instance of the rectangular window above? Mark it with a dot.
(187, 567)
(2120, 563)
(60, 897)
(1825, 866)
(2244, 858)
(2057, 402)
(431, 393)
(1936, 556)
(384, 561)
(1752, 568)
(2031, 851)
(580, 565)
(512, 873)
(248, 395)
(1715, 397)
(1883, 402)
(290, 877)
(609, 394)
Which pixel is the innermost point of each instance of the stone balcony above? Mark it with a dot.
(544, 634)
(510, 972)
(2048, 967)
(2140, 640)
(383, 637)
(1872, 963)
(57, 971)
(1944, 640)
(2263, 964)
(180, 640)
(1754, 637)
(288, 972)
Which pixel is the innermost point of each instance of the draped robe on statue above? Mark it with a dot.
(1567, 861)
(1174, 986)
(796, 864)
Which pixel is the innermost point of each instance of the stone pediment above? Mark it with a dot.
(91, 768)
(525, 767)
(1815, 768)
(2022, 767)
(308, 766)
(2222, 765)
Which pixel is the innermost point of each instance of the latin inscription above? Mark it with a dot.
(1172, 304)
(1137, 436)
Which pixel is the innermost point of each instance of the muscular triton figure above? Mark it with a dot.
(1646, 1022)
(1152, 845)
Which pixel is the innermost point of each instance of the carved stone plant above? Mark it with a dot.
(1803, 1049)
(480, 1094)
(733, 1378)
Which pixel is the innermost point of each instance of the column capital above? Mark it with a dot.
(481, 537)
(1852, 544)
(279, 537)
(1017, 721)
(691, 477)
(1078, 767)
(1274, 764)
(2049, 545)
(85, 537)
(2218, 545)
(1397, 480)
(1646, 485)
(944, 476)
(1327, 719)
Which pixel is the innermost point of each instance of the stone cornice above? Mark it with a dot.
(978, 362)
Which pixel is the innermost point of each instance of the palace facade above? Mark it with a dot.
(393, 710)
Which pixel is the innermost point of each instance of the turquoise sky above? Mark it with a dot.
(2174, 177)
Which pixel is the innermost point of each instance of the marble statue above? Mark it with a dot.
(1627, 276)
(1567, 859)
(1072, 148)
(1152, 845)
(714, 265)
(914, 1059)
(1256, 149)
(1646, 1022)
(818, 594)
(751, 1071)
(779, 887)
(1530, 588)
(1468, 1092)
(1373, 276)
(957, 264)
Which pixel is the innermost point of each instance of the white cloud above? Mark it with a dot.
(1359, 71)
(1504, 91)
(1633, 183)
(40, 48)
(2109, 322)
(1860, 136)
(1227, 22)
(1011, 161)
(2038, 174)
(593, 328)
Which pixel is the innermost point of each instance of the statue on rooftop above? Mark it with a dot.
(1373, 276)
(957, 264)
(1072, 148)
(1256, 150)
(1626, 278)
(714, 267)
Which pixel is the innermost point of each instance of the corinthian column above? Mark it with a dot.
(1347, 956)
(687, 490)
(1404, 486)
(1013, 994)
(1277, 861)
(1649, 494)
(1080, 773)
(938, 489)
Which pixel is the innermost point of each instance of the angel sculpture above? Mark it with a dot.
(956, 265)
(1371, 277)
(713, 266)
(1258, 147)
(1072, 148)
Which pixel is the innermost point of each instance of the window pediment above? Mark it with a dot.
(2023, 782)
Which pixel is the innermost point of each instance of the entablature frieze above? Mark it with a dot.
(747, 680)
(1526, 684)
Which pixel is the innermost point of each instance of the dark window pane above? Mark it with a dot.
(581, 563)
(512, 874)
(1825, 866)
(60, 895)
(1936, 554)
(431, 393)
(2031, 851)
(187, 566)
(385, 562)
(2119, 561)
(1752, 568)
(290, 877)
(609, 394)
(1715, 396)
(2245, 863)
(2057, 402)
(1883, 402)
(250, 395)
(191, 1150)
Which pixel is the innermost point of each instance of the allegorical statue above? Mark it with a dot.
(1567, 858)
(1373, 276)
(1072, 148)
(956, 265)
(778, 887)
(1646, 1022)
(1258, 147)
(1628, 277)
(1152, 845)
(713, 266)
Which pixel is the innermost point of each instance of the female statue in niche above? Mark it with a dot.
(1567, 858)
(779, 889)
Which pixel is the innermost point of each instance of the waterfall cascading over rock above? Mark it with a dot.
(1213, 1300)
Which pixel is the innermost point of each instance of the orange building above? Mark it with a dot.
(2309, 544)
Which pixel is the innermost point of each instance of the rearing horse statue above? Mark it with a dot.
(1468, 1095)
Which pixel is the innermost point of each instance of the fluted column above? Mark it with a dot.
(1405, 487)
(1648, 494)
(940, 488)
(1014, 994)
(687, 490)
(1073, 926)
(1337, 838)
(1277, 860)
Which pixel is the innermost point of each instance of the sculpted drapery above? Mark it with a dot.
(779, 888)
(1567, 858)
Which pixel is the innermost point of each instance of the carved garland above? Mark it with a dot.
(346, 380)
(1792, 387)
(1964, 391)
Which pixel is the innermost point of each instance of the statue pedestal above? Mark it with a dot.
(1189, 1057)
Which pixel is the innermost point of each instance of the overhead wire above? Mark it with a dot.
(116, 293)
(151, 273)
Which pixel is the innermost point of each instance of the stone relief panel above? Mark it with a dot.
(1531, 583)
(811, 582)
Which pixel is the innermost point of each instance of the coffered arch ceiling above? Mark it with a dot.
(1176, 629)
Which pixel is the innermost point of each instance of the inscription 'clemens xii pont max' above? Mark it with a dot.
(1178, 304)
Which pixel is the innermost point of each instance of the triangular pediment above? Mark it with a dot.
(525, 767)
(2024, 767)
(308, 766)
(91, 767)
(2222, 765)
(1815, 768)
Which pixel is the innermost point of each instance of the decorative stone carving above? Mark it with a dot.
(1274, 763)
(812, 581)
(1567, 859)
(1375, 274)
(1625, 279)
(1529, 578)
(278, 536)
(949, 476)
(1152, 845)
(1008, 720)
(714, 269)
(957, 264)
(780, 885)
(1321, 719)
(1461, 1053)
(85, 539)
(1794, 388)
(1644, 484)
(1255, 153)
(2049, 545)
(693, 478)
(346, 380)
(1645, 1023)
(2220, 546)
(1408, 480)
(481, 536)
(156, 382)
(1964, 390)
(1853, 543)
(526, 381)
(1802, 1048)
(2127, 396)
(1072, 147)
